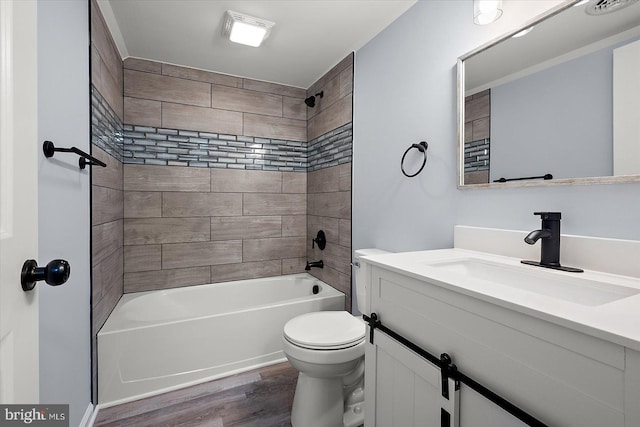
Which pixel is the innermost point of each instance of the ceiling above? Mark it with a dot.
(562, 36)
(309, 38)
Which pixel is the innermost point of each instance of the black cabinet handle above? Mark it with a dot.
(55, 273)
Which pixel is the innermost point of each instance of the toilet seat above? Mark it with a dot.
(325, 330)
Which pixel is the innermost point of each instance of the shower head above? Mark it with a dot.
(311, 101)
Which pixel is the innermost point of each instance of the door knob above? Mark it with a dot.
(55, 273)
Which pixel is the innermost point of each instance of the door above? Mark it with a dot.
(19, 362)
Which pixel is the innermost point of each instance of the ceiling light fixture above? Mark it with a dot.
(245, 29)
(486, 11)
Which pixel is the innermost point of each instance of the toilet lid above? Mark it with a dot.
(325, 330)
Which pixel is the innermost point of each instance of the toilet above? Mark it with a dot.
(327, 348)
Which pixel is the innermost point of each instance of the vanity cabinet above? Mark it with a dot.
(559, 375)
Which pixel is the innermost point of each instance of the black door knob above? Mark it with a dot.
(55, 273)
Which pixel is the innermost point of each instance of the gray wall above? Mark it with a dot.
(555, 121)
(63, 203)
(405, 89)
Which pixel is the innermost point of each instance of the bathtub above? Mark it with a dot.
(158, 341)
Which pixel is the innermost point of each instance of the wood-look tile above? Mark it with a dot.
(468, 132)
(111, 90)
(274, 248)
(96, 67)
(274, 204)
(294, 225)
(481, 128)
(106, 239)
(275, 127)
(101, 38)
(142, 112)
(294, 108)
(156, 87)
(330, 226)
(180, 255)
(145, 65)
(178, 204)
(201, 75)
(177, 116)
(345, 286)
(346, 81)
(165, 178)
(294, 265)
(246, 227)
(345, 233)
(166, 279)
(477, 108)
(346, 62)
(106, 204)
(249, 101)
(338, 257)
(323, 180)
(275, 88)
(344, 172)
(109, 274)
(145, 231)
(110, 176)
(338, 114)
(294, 182)
(245, 181)
(142, 258)
(245, 270)
(335, 205)
(478, 177)
(142, 204)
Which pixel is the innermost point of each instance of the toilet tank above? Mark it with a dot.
(361, 277)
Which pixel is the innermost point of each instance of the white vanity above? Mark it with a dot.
(564, 347)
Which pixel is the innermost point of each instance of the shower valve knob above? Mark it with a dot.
(55, 273)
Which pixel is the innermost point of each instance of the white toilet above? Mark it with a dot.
(327, 347)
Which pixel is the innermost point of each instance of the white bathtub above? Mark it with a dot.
(159, 341)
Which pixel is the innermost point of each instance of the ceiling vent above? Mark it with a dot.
(601, 7)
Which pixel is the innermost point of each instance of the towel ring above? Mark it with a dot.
(422, 147)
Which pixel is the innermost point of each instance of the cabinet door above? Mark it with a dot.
(403, 389)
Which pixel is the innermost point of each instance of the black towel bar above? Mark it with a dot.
(545, 177)
(85, 159)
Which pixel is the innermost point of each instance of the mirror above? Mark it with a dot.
(557, 105)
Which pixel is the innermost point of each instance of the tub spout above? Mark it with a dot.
(318, 264)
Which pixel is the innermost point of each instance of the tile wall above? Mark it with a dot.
(214, 179)
(329, 179)
(107, 201)
(477, 137)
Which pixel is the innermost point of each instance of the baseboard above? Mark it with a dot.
(89, 416)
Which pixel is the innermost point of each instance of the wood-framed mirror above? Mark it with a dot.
(556, 101)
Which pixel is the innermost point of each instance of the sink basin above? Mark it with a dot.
(576, 289)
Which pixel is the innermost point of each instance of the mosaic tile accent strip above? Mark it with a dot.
(106, 127)
(174, 147)
(476, 155)
(332, 148)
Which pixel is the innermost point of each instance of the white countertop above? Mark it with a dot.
(617, 321)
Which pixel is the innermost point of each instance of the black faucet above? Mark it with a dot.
(310, 264)
(550, 246)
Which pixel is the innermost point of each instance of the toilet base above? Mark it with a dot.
(318, 402)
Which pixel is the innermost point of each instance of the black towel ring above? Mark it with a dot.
(422, 147)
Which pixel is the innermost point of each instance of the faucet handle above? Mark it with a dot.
(553, 216)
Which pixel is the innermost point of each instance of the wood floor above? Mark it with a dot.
(262, 397)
